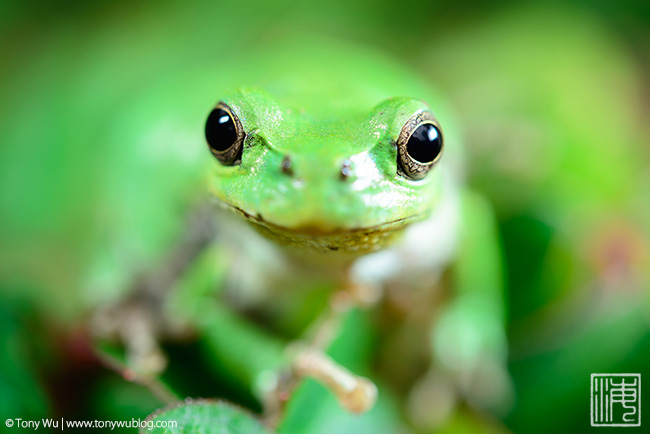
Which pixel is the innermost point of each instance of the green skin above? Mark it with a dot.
(312, 205)
(318, 116)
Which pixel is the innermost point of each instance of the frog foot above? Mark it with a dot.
(136, 327)
(355, 393)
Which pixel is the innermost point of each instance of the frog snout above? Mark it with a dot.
(343, 171)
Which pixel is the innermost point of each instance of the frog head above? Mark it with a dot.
(329, 177)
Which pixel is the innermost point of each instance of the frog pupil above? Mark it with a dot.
(425, 143)
(220, 130)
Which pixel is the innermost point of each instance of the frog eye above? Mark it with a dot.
(419, 145)
(225, 135)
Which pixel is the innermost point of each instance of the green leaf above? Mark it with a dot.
(202, 416)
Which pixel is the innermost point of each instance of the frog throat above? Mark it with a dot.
(344, 242)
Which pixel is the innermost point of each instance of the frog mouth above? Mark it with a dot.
(354, 241)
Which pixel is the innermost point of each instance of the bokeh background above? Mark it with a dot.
(552, 99)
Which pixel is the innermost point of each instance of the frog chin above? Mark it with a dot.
(317, 237)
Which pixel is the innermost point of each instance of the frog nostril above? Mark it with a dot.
(346, 170)
(286, 166)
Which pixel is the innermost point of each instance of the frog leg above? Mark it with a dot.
(139, 321)
(268, 366)
(356, 394)
(308, 358)
(183, 294)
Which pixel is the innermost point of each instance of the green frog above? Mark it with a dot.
(337, 173)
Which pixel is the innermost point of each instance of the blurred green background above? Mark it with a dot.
(552, 99)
